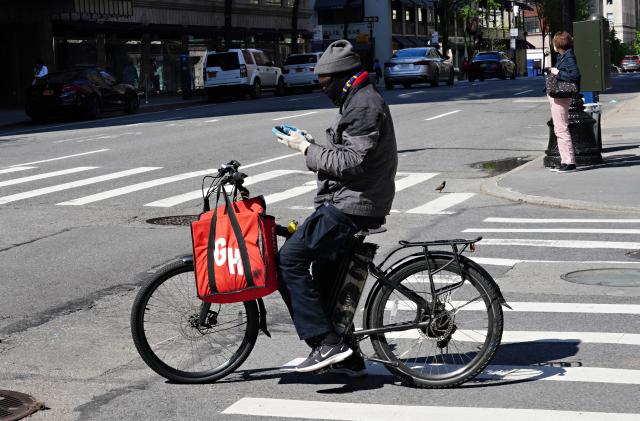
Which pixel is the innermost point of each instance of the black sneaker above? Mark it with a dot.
(565, 168)
(324, 355)
(353, 367)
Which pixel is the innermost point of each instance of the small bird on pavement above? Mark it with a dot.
(441, 187)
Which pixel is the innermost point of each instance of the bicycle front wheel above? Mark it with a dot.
(461, 338)
(180, 343)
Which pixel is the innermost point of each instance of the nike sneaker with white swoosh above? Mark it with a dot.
(324, 355)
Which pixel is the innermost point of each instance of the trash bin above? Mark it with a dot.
(530, 69)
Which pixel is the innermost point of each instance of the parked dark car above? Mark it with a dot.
(492, 64)
(86, 92)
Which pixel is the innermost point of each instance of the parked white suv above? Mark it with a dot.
(241, 71)
(298, 71)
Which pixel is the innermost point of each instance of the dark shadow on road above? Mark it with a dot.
(462, 92)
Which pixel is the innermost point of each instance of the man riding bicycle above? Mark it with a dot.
(356, 164)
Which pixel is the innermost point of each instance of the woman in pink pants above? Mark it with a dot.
(566, 69)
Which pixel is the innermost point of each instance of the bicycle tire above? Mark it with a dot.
(179, 313)
(487, 290)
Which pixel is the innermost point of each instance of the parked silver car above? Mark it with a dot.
(418, 65)
(298, 71)
(630, 63)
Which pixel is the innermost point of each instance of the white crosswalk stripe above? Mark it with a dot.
(289, 408)
(560, 243)
(15, 169)
(197, 194)
(557, 230)
(74, 184)
(44, 176)
(411, 179)
(438, 206)
(134, 187)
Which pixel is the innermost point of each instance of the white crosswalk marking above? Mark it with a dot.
(534, 336)
(289, 408)
(560, 243)
(74, 184)
(533, 307)
(197, 194)
(438, 206)
(15, 169)
(61, 157)
(561, 221)
(557, 230)
(288, 194)
(511, 262)
(44, 175)
(411, 179)
(134, 187)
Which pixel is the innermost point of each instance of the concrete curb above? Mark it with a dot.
(492, 188)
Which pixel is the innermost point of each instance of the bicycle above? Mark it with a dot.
(422, 299)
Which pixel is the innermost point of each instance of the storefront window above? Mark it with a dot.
(410, 21)
(272, 2)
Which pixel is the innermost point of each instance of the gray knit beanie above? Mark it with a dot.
(338, 57)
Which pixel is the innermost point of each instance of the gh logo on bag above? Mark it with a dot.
(222, 255)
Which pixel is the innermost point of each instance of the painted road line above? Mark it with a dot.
(61, 157)
(438, 206)
(294, 116)
(98, 121)
(533, 307)
(533, 101)
(15, 169)
(289, 408)
(517, 336)
(560, 243)
(215, 120)
(135, 187)
(512, 262)
(411, 179)
(73, 184)
(44, 175)
(197, 194)
(442, 115)
(266, 161)
(561, 221)
(557, 230)
(288, 194)
(523, 92)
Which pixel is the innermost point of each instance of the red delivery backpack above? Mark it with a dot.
(234, 250)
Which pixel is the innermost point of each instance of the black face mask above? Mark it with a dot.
(334, 89)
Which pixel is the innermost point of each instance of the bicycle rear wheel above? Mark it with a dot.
(461, 338)
(167, 333)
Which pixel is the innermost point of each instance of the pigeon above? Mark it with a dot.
(441, 187)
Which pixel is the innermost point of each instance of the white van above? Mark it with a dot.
(241, 71)
(298, 71)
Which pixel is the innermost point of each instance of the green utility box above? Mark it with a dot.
(591, 45)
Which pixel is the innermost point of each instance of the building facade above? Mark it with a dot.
(148, 34)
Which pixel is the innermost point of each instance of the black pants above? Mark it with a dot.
(320, 240)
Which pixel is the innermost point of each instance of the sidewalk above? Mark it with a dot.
(610, 187)
(11, 116)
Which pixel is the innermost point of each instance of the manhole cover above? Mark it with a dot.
(633, 254)
(184, 220)
(16, 405)
(605, 277)
(500, 166)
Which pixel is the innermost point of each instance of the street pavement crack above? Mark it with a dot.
(69, 307)
(38, 239)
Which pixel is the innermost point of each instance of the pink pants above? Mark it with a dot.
(560, 116)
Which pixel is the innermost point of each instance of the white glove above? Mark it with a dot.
(554, 71)
(298, 140)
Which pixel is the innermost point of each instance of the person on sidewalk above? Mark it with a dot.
(566, 69)
(356, 163)
(377, 68)
(39, 71)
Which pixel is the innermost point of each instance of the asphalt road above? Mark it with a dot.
(75, 246)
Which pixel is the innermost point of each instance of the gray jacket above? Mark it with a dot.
(357, 161)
